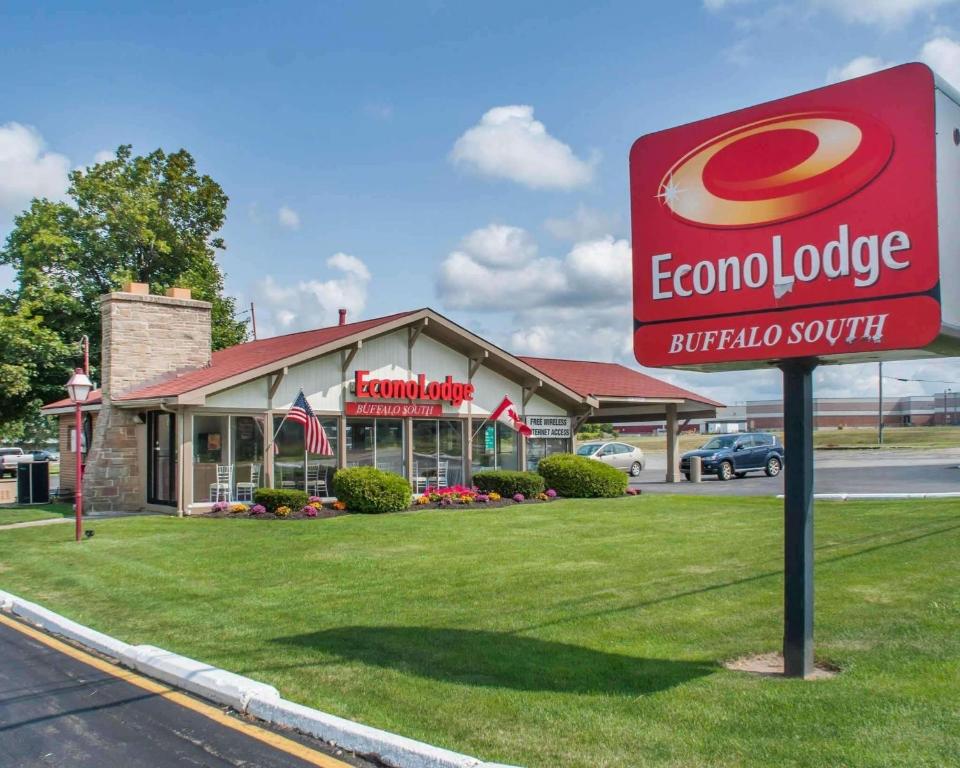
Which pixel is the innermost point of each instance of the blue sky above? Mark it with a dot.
(467, 156)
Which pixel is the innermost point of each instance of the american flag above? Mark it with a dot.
(314, 436)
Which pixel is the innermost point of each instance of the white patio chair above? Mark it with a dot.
(220, 490)
(420, 481)
(316, 486)
(245, 490)
(442, 473)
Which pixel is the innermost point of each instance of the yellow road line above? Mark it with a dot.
(275, 740)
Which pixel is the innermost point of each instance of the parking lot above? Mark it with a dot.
(934, 470)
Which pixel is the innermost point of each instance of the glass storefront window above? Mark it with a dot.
(389, 443)
(508, 445)
(451, 451)
(210, 443)
(328, 464)
(495, 446)
(247, 433)
(539, 447)
(437, 452)
(424, 453)
(289, 459)
(360, 442)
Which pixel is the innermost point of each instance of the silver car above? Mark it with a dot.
(625, 457)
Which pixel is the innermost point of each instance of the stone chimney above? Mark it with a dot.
(343, 317)
(146, 338)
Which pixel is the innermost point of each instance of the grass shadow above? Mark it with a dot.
(500, 660)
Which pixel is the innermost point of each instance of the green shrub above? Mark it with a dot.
(367, 489)
(508, 483)
(580, 477)
(274, 498)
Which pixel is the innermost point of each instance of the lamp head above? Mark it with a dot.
(79, 386)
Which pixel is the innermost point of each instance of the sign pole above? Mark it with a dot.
(798, 518)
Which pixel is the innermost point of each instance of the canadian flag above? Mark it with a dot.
(506, 413)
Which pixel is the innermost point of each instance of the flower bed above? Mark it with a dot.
(312, 510)
(463, 496)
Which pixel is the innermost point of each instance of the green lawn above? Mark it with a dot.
(26, 514)
(569, 634)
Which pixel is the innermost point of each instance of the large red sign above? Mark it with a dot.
(804, 227)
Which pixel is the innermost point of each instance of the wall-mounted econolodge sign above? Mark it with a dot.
(824, 225)
(370, 388)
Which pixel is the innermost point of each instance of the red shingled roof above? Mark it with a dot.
(610, 380)
(253, 354)
(93, 398)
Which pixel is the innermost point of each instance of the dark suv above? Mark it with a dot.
(729, 455)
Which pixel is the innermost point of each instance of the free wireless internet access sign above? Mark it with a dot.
(819, 228)
(822, 226)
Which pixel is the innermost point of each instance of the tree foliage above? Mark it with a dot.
(150, 219)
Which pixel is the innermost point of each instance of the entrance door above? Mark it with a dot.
(162, 458)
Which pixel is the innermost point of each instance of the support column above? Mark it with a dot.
(408, 447)
(798, 519)
(468, 452)
(673, 445)
(185, 458)
(341, 441)
(268, 452)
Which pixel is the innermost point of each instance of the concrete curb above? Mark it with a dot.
(194, 676)
(881, 496)
(60, 625)
(246, 695)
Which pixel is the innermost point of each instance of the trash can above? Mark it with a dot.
(33, 482)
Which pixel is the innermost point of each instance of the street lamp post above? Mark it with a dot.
(79, 388)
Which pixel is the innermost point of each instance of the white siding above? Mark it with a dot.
(252, 394)
(491, 387)
(538, 406)
(320, 379)
(385, 357)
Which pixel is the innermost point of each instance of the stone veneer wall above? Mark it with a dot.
(145, 339)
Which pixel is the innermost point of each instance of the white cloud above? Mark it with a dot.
(27, 169)
(497, 267)
(886, 13)
(508, 143)
(104, 156)
(582, 224)
(314, 303)
(499, 245)
(858, 67)
(288, 218)
(943, 55)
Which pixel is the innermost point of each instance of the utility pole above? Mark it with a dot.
(880, 408)
(253, 321)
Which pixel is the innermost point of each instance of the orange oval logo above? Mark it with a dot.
(776, 169)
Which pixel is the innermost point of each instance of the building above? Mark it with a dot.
(178, 426)
(839, 412)
(726, 420)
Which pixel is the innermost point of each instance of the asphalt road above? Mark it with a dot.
(866, 471)
(56, 710)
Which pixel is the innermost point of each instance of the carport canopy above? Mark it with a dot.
(624, 394)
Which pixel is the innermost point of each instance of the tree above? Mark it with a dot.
(149, 219)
